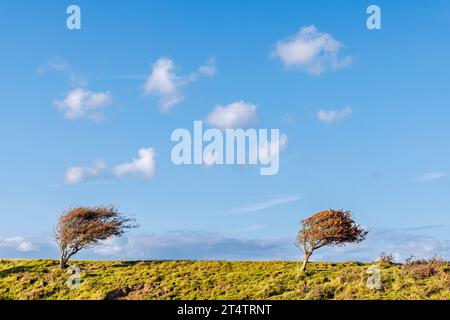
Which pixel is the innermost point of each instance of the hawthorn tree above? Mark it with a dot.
(84, 227)
(328, 228)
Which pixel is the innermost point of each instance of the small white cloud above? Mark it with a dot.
(329, 116)
(81, 103)
(312, 51)
(267, 204)
(142, 167)
(431, 176)
(209, 68)
(236, 115)
(81, 174)
(18, 243)
(166, 84)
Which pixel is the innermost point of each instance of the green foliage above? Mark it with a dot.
(42, 279)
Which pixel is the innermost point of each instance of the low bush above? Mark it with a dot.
(423, 268)
(386, 259)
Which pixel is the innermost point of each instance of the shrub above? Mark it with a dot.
(422, 268)
(386, 258)
(321, 292)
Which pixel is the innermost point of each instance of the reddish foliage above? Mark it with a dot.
(81, 228)
(328, 228)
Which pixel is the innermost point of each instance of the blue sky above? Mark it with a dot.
(366, 118)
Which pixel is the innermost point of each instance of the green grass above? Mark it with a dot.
(42, 279)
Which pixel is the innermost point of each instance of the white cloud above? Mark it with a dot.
(420, 242)
(166, 84)
(401, 242)
(431, 176)
(267, 204)
(111, 246)
(252, 228)
(329, 116)
(312, 51)
(81, 103)
(209, 68)
(142, 167)
(236, 115)
(17, 243)
(195, 245)
(80, 174)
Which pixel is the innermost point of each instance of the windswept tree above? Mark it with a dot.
(82, 228)
(328, 228)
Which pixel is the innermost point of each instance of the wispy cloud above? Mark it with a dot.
(431, 176)
(60, 65)
(123, 77)
(82, 174)
(209, 68)
(266, 204)
(329, 116)
(422, 228)
(186, 244)
(195, 245)
(311, 51)
(252, 228)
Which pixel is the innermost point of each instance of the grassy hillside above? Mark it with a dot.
(42, 279)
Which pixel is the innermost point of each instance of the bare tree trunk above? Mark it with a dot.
(62, 260)
(305, 261)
